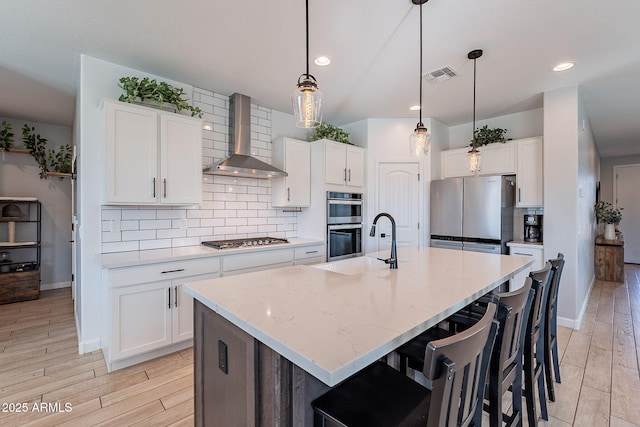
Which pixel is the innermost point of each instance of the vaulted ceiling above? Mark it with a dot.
(258, 48)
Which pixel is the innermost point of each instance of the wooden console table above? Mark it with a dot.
(609, 256)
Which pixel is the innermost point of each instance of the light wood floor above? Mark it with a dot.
(39, 363)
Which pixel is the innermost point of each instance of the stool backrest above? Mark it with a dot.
(540, 284)
(512, 315)
(557, 264)
(458, 368)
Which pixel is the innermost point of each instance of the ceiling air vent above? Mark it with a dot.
(441, 74)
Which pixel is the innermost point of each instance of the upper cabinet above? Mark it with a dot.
(152, 156)
(529, 173)
(294, 157)
(343, 163)
(495, 159)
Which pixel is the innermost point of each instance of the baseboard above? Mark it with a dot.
(58, 285)
(123, 363)
(577, 323)
(88, 346)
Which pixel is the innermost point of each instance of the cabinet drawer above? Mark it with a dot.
(309, 252)
(256, 259)
(164, 271)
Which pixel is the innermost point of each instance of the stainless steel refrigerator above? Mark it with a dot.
(474, 213)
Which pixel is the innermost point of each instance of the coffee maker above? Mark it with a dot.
(532, 228)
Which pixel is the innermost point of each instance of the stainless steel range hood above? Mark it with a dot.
(240, 162)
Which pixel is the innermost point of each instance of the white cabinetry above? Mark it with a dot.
(152, 157)
(529, 173)
(535, 251)
(294, 157)
(309, 255)
(496, 159)
(256, 261)
(343, 163)
(149, 312)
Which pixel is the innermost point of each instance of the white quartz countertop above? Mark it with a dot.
(336, 318)
(152, 256)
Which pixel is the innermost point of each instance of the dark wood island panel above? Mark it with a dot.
(259, 387)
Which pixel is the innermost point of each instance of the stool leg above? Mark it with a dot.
(547, 366)
(554, 349)
(516, 391)
(540, 351)
(529, 383)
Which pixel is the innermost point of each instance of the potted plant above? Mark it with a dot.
(328, 131)
(6, 136)
(484, 136)
(606, 213)
(160, 93)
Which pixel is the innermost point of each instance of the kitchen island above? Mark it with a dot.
(267, 343)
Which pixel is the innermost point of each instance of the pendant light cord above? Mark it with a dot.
(474, 104)
(307, 20)
(420, 122)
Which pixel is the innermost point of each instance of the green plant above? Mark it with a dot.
(605, 212)
(334, 133)
(159, 93)
(484, 136)
(60, 160)
(6, 136)
(37, 148)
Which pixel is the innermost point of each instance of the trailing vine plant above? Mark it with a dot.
(6, 136)
(328, 131)
(58, 160)
(159, 93)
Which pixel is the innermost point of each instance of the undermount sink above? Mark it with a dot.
(353, 266)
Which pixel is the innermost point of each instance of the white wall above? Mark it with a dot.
(19, 177)
(388, 140)
(518, 125)
(570, 175)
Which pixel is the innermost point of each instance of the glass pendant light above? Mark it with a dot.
(473, 158)
(420, 139)
(307, 99)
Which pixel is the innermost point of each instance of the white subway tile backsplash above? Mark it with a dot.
(231, 207)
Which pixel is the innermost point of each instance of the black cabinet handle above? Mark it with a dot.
(165, 188)
(312, 252)
(175, 299)
(349, 175)
(519, 198)
(288, 194)
(154, 187)
(169, 289)
(345, 174)
(173, 271)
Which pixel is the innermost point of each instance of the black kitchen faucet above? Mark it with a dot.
(393, 260)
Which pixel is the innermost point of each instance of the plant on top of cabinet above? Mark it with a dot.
(6, 136)
(159, 93)
(605, 212)
(484, 136)
(328, 131)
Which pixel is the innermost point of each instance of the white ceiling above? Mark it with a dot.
(258, 48)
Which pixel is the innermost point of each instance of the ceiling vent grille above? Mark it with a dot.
(441, 74)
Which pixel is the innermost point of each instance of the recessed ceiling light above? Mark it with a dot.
(207, 127)
(414, 108)
(563, 66)
(322, 61)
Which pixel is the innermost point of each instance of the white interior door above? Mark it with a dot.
(627, 196)
(399, 195)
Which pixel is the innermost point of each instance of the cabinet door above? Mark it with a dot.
(180, 159)
(131, 158)
(498, 159)
(298, 166)
(454, 163)
(182, 308)
(335, 163)
(141, 319)
(355, 166)
(529, 173)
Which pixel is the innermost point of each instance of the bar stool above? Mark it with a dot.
(505, 369)
(534, 345)
(551, 327)
(380, 396)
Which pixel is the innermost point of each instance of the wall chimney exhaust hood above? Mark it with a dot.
(240, 163)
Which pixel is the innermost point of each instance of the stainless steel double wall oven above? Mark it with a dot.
(344, 225)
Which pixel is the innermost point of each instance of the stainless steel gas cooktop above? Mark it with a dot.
(244, 243)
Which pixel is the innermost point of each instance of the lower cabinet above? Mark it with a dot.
(308, 255)
(149, 312)
(535, 251)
